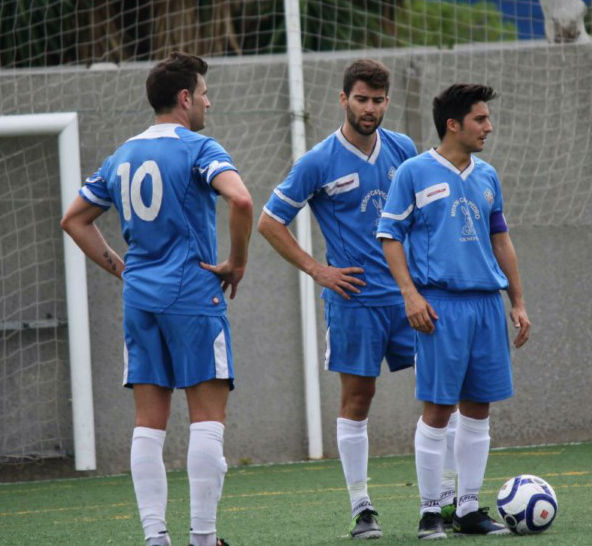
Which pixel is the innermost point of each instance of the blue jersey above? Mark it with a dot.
(160, 183)
(346, 190)
(449, 217)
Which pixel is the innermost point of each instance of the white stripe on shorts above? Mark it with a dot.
(221, 356)
(328, 349)
(125, 364)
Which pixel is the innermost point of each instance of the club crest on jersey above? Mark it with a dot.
(488, 194)
(374, 200)
(468, 212)
(391, 172)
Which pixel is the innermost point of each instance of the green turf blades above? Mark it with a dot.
(268, 505)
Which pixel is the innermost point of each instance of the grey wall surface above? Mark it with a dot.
(546, 203)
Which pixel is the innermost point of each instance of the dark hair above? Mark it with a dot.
(178, 71)
(456, 102)
(371, 72)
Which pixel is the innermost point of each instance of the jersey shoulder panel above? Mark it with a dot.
(316, 161)
(208, 157)
(484, 166)
(421, 161)
(401, 140)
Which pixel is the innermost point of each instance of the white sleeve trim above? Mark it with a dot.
(93, 198)
(274, 216)
(286, 199)
(380, 235)
(399, 217)
(217, 167)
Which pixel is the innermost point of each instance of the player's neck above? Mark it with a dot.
(459, 157)
(364, 143)
(171, 117)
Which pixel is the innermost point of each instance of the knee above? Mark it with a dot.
(436, 415)
(356, 404)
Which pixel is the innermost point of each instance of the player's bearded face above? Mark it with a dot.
(365, 107)
(363, 123)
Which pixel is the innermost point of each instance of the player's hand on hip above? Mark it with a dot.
(339, 279)
(229, 274)
(520, 320)
(420, 314)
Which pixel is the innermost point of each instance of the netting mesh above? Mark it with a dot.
(51, 32)
(33, 362)
(47, 33)
(52, 56)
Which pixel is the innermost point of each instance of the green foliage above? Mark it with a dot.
(51, 32)
(35, 33)
(342, 24)
(329, 25)
(446, 23)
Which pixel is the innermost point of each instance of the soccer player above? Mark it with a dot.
(345, 179)
(449, 204)
(164, 184)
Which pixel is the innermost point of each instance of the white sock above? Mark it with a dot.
(206, 468)
(471, 450)
(448, 490)
(149, 478)
(430, 447)
(208, 539)
(352, 442)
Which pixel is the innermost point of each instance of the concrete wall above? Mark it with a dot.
(544, 109)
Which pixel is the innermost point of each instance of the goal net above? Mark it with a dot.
(92, 58)
(34, 386)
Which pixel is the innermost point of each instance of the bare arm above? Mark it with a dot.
(78, 222)
(420, 313)
(281, 239)
(231, 187)
(504, 252)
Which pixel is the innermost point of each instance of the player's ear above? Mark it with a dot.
(452, 125)
(184, 99)
(343, 99)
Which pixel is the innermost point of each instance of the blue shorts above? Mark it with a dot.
(175, 351)
(468, 355)
(359, 338)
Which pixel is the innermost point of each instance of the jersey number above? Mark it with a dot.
(133, 190)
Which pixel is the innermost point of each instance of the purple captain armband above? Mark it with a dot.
(497, 223)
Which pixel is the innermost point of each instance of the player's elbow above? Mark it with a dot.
(243, 203)
(66, 223)
(265, 225)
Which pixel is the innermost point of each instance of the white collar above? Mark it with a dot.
(354, 150)
(443, 161)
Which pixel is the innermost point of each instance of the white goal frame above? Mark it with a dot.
(65, 126)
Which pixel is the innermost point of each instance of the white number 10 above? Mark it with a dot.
(134, 189)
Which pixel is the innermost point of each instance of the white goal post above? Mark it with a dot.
(65, 126)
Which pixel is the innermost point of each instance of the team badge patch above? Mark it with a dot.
(391, 172)
(488, 194)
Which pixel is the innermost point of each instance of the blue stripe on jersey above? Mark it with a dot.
(159, 182)
(446, 215)
(346, 191)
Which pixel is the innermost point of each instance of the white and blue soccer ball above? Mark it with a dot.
(527, 504)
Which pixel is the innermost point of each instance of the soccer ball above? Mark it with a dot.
(527, 504)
